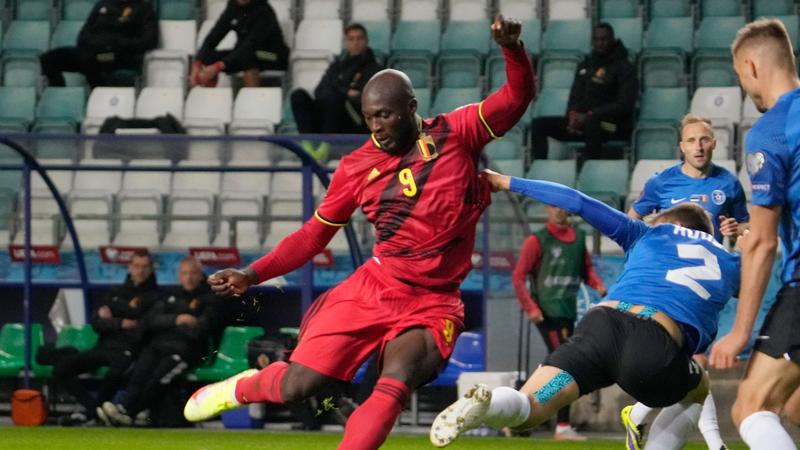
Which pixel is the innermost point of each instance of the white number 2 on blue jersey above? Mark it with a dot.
(689, 276)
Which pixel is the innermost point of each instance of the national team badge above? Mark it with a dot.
(718, 197)
(449, 331)
(755, 161)
(427, 148)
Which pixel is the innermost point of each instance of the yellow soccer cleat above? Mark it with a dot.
(633, 432)
(213, 399)
(463, 415)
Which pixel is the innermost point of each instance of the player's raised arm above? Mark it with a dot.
(612, 223)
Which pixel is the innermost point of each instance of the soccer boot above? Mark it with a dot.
(633, 432)
(463, 415)
(116, 414)
(212, 399)
(568, 433)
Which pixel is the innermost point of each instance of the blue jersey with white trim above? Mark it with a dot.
(720, 193)
(773, 161)
(684, 273)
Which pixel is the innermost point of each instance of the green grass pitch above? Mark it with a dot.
(56, 438)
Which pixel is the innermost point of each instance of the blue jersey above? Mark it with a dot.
(684, 273)
(720, 193)
(773, 162)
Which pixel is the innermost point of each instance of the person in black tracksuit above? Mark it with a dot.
(116, 35)
(259, 45)
(118, 322)
(601, 101)
(179, 326)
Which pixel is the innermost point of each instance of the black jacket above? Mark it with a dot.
(127, 28)
(258, 35)
(606, 86)
(191, 342)
(348, 72)
(126, 301)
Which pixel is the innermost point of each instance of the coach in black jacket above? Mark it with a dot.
(259, 44)
(118, 321)
(116, 35)
(178, 327)
(601, 101)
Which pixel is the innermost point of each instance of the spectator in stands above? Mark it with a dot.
(259, 45)
(115, 36)
(179, 326)
(118, 322)
(336, 105)
(601, 101)
(556, 261)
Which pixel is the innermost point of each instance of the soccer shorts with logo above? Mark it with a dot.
(638, 354)
(349, 322)
(779, 337)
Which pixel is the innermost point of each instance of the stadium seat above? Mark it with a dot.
(21, 70)
(615, 9)
(509, 147)
(168, 66)
(106, 102)
(421, 10)
(567, 35)
(495, 70)
(319, 34)
(772, 8)
(551, 102)
(629, 31)
(744, 179)
(214, 8)
(159, 101)
(417, 65)
(417, 36)
(12, 347)
(675, 33)
(556, 171)
(717, 33)
(655, 141)
(208, 107)
(44, 228)
(33, 9)
(605, 180)
(227, 43)
(307, 68)
(709, 8)
(371, 11)
(27, 36)
(77, 10)
(713, 70)
(467, 36)
(257, 183)
(531, 35)
(243, 234)
(463, 10)
(176, 10)
(643, 170)
(322, 9)
(792, 24)
(448, 99)
(511, 167)
(257, 109)
(232, 355)
(669, 8)
(195, 226)
(17, 107)
(61, 105)
(66, 33)
(379, 34)
(669, 104)
(662, 69)
(522, 10)
(458, 69)
(468, 356)
(79, 337)
(424, 101)
(557, 70)
(723, 107)
(144, 192)
(93, 193)
(567, 9)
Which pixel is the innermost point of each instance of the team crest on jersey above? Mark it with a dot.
(427, 148)
(718, 197)
(449, 330)
(755, 161)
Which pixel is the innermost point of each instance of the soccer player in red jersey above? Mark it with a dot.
(417, 181)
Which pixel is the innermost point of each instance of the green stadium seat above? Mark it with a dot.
(76, 9)
(567, 35)
(510, 147)
(665, 104)
(417, 36)
(551, 102)
(722, 8)
(12, 347)
(717, 33)
(771, 8)
(473, 36)
(676, 33)
(61, 105)
(557, 171)
(792, 24)
(27, 36)
(424, 100)
(655, 141)
(614, 9)
(629, 31)
(80, 337)
(21, 70)
(532, 36)
(448, 99)
(232, 355)
(66, 33)
(659, 69)
(669, 8)
(511, 167)
(17, 107)
(458, 69)
(605, 180)
(11, 179)
(557, 70)
(33, 10)
(379, 33)
(495, 71)
(417, 65)
(713, 70)
(176, 10)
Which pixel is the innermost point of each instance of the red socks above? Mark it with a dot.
(265, 386)
(370, 423)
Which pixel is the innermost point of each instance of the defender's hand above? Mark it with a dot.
(506, 32)
(728, 226)
(725, 353)
(497, 181)
(231, 281)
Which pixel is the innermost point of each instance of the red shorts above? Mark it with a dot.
(347, 323)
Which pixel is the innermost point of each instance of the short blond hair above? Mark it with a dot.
(763, 31)
(690, 119)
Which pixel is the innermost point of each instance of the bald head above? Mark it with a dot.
(389, 109)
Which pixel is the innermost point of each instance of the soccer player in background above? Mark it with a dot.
(416, 180)
(698, 180)
(765, 63)
(662, 310)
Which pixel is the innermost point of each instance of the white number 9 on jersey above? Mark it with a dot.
(689, 276)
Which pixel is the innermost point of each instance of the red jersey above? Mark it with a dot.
(425, 203)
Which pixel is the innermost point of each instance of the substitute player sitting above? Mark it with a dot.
(663, 309)
(416, 180)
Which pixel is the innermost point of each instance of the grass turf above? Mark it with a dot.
(57, 438)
